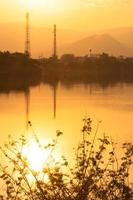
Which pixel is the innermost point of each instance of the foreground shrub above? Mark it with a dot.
(96, 174)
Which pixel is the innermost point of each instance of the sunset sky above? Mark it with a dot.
(85, 15)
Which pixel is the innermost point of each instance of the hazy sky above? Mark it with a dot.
(85, 15)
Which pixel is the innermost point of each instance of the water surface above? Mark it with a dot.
(62, 107)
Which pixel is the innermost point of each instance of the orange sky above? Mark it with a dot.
(85, 15)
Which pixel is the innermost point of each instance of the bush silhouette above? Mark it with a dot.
(96, 174)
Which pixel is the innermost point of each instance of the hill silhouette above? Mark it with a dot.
(116, 41)
(98, 44)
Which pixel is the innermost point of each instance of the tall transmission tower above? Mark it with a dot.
(27, 41)
(55, 42)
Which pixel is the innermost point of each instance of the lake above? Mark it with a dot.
(62, 107)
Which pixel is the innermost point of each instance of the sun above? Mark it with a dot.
(31, 4)
(45, 5)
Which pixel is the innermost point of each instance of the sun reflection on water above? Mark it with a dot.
(36, 156)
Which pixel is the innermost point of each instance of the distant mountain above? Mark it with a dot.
(117, 41)
(98, 44)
